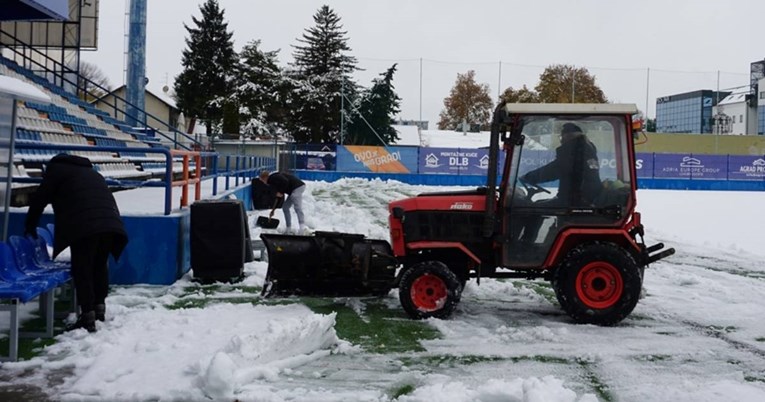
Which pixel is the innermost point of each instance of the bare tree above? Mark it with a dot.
(89, 74)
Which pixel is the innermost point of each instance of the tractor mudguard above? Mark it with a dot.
(328, 264)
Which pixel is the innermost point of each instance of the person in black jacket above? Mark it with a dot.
(291, 186)
(87, 220)
(577, 168)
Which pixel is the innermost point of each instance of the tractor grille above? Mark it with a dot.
(462, 227)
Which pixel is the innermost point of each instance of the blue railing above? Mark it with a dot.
(246, 166)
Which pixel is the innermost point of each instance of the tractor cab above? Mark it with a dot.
(565, 166)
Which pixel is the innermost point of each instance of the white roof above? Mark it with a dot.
(733, 99)
(408, 135)
(571, 108)
(21, 90)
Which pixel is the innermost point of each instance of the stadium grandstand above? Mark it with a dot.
(40, 44)
(43, 113)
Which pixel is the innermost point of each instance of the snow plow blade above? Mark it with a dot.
(328, 264)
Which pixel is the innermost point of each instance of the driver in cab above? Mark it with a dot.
(576, 166)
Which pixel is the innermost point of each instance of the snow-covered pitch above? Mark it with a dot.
(697, 335)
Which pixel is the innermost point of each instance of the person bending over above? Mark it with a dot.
(291, 187)
(87, 220)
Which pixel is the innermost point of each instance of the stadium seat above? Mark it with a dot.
(24, 253)
(45, 235)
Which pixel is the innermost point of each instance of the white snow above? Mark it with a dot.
(20, 90)
(698, 335)
(411, 135)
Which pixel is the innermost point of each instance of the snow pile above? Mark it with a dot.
(188, 354)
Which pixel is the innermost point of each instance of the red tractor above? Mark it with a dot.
(564, 211)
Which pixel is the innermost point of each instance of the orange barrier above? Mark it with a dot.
(188, 178)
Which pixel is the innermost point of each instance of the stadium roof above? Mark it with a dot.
(14, 10)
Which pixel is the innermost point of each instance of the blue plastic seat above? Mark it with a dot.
(22, 291)
(19, 287)
(11, 275)
(42, 258)
(45, 235)
(23, 251)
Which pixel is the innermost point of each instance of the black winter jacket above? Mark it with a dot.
(83, 205)
(284, 182)
(577, 167)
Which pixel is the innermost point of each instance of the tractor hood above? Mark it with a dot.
(470, 200)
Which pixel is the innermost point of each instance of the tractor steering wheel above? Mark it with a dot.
(532, 189)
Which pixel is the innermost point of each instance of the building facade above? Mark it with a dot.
(761, 107)
(690, 112)
(735, 115)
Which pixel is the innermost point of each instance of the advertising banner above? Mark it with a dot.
(363, 158)
(746, 167)
(686, 166)
(459, 161)
(644, 165)
(531, 160)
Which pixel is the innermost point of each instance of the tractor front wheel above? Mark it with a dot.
(429, 289)
(598, 283)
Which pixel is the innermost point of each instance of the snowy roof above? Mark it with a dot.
(408, 135)
(572, 108)
(733, 99)
(163, 97)
(412, 136)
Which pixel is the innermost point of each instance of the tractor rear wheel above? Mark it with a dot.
(429, 289)
(598, 283)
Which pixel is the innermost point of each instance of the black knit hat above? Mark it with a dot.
(570, 128)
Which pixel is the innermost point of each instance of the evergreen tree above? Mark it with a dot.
(322, 71)
(263, 91)
(468, 102)
(558, 83)
(209, 67)
(650, 125)
(375, 112)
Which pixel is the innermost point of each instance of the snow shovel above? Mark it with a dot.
(328, 264)
(267, 223)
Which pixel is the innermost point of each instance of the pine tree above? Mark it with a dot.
(263, 91)
(322, 71)
(209, 67)
(558, 83)
(468, 102)
(376, 110)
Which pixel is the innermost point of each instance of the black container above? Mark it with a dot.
(218, 235)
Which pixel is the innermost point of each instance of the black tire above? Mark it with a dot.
(598, 283)
(429, 289)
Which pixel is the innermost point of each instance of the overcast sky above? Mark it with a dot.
(684, 43)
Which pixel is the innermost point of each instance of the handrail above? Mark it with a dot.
(107, 91)
(167, 183)
(186, 179)
(168, 161)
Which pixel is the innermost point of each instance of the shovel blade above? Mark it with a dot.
(328, 264)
